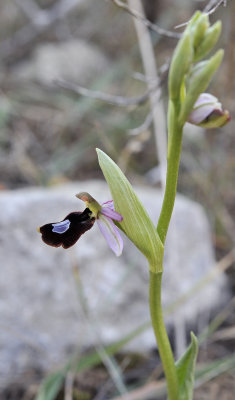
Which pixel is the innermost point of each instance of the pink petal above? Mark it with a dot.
(111, 234)
(203, 107)
(108, 210)
(205, 98)
(109, 204)
(200, 114)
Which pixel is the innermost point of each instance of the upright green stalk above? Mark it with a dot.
(173, 159)
(164, 347)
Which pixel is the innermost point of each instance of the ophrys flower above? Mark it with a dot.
(66, 232)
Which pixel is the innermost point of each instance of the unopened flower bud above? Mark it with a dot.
(180, 65)
(207, 112)
(199, 29)
(209, 41)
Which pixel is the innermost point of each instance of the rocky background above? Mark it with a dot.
(48, 136)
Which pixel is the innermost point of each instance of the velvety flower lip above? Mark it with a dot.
(66, 232)
(208, 112)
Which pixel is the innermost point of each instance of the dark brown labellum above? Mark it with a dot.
(66, 233)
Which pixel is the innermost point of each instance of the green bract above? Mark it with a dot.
(216, 120)
(136, 223)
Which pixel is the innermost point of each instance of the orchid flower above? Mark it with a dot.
(105, 214)
(66, 232)
(208, 112)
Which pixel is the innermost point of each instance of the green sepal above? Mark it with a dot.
(181, 62)
(136, 223)
(198, 83)
(185, 369)
(216, 120)
(209, 41)
(199, 30)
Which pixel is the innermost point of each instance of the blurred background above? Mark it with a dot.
(72, 79)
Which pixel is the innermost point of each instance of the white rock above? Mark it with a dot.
(41, 317)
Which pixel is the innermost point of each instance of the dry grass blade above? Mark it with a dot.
(69, 381)
(120, 101)
(210, 8)
(220, 267)
(224, 334)
(151, 72)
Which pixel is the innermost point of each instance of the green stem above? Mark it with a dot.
(173, 160)
(164, 346)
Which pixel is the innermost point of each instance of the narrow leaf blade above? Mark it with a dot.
(51, 386)
(185, 368)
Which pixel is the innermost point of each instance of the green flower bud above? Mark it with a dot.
(209, 41)
(193, 20)
(199, 30)
(216, 119)
(180, 65)
(199, 82)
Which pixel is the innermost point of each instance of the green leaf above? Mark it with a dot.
(51, 386)
(136, 223)
(185, 368)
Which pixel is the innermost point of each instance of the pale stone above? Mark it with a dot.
(75, 61)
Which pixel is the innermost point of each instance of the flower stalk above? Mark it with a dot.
(175, 132)
(164, 346)
(173, 160)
